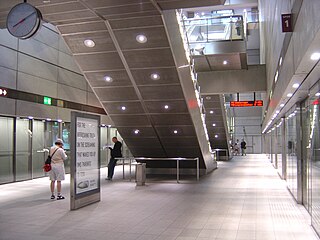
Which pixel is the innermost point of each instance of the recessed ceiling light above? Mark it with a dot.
(213, 125)
(166, 106)
(141, 38)
(202, 13)
(155, 76)
(175, 131)
(48, 119)
(289, 95)
(208, 97)
(276, 77)
(296, 85)
(108, 79)
(137, 131)
(280, 61)
(30, 117)
(315, 56)
(317, 94)
(282, 105)
(123, 108)
(216, 136)
(225, 62)
(89, 43)
(277, 111)
(59, 120)
(211, 112)
(46, 1)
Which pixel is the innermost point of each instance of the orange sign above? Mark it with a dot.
(257, 103)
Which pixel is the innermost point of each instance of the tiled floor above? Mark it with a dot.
(242, 199)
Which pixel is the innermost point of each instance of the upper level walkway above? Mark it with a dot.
(242, 199)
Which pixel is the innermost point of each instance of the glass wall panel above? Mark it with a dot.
(314, 153)
(6, 150)
(66, 129)
(104, 150)
(307, 112)
(23, 149)
(38, 144)
(292, 161)
(279, 148)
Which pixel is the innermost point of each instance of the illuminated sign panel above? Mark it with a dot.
(3, 92)
(257, 103)
(47, 101)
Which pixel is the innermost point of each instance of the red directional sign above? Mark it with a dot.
(257, 103)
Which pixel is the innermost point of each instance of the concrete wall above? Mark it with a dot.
(41, 65)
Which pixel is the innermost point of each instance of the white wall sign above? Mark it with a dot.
(86, 155)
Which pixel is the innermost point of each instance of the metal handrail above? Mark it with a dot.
(159, 159)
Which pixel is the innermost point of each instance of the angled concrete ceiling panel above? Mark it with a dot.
(157, 38)
(149, 58)
(176, 4)
(82, 28)
(172, 119)
(125, 9)
(119, 78)
(136, 22)
(182, 131)
(123, 107)
(116, 94)
(104, 3)
(66, 6)
(176, 106)
(131, 120)
(183, 141)
(98, 62)
(167, 76)
(144, 132)
(157, 92)
(102, 40)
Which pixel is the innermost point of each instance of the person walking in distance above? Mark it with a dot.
(57, 173)
(115, 152)
(243, 145)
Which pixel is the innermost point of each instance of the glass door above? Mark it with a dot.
(6, 150)
(23, 164)
(38, 153)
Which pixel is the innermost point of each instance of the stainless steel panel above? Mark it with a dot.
(177, 142)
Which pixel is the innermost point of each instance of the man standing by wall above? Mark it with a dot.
(243, 147)
(115, 152)
(57, 172)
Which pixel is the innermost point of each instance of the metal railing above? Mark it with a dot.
(218, 150)
(144, 159)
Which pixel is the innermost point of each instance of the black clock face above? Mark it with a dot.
(23, 21)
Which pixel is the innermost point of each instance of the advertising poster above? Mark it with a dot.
(86, 155)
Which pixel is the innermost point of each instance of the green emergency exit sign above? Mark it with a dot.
(47, 100)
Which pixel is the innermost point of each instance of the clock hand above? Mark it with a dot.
(22, 20)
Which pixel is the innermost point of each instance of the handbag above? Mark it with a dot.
(47, 165)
